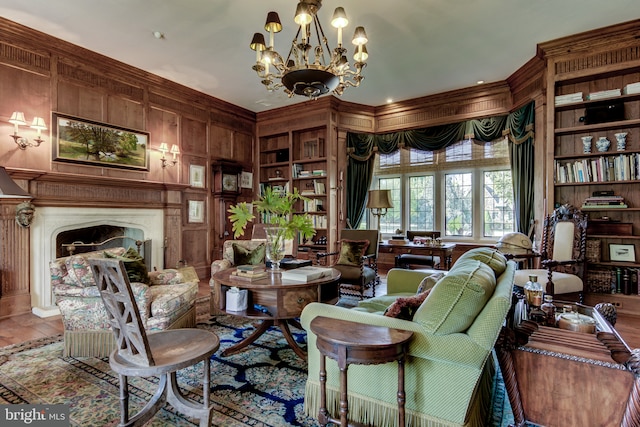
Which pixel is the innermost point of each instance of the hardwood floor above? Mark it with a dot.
(27, 327)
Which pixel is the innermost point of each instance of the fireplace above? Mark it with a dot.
(49, 222)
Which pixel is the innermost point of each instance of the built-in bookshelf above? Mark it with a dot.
(299, 160)
(595, 125)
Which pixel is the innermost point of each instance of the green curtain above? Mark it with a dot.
(518, 126)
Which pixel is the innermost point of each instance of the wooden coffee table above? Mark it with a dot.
(283, 299)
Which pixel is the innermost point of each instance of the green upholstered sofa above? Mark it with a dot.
(448, 371)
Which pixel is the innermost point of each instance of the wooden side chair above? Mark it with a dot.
(562, 253)
(160, 353)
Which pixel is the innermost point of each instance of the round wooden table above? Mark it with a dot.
(350, 342)
(282, 299)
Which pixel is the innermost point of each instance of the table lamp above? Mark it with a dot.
(379, 201)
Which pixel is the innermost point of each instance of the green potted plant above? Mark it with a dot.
(277, 209)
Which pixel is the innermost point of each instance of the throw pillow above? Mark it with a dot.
(133, 264)
(406, 307)
(429, 282)
(242, 255)
(457, 299)
(351, 252)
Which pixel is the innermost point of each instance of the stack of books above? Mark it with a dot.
(604, 200)
(604, 94)
(632, 88)
(250, 272)
(569, 98)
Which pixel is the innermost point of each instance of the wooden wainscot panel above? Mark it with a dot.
(221, 142)
(242, 148)
(195, 250)
(14, 265)
(194, 137)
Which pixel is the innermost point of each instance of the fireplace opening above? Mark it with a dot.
(94, 234)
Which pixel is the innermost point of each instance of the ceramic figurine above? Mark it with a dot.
(621, 139)
(603, 144)
(586, 144)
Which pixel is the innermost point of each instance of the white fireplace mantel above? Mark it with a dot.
(50, 221)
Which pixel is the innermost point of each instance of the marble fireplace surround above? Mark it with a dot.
(50, 221)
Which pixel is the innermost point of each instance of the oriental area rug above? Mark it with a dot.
(262, 386)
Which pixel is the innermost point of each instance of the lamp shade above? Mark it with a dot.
(9, 189)
(163, 147)
(379, 199)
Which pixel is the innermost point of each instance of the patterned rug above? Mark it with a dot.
(261, 386)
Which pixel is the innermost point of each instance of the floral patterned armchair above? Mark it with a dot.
(167, 302)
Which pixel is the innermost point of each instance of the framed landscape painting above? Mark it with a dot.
(82, 141)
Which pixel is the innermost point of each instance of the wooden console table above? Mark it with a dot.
(357, 343)
(556, 377)
(387, 253)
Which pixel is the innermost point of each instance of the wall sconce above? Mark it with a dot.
(174, 150)
(17, 119)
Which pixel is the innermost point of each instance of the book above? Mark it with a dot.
(238, 275)
(251, 268)
(305, 274)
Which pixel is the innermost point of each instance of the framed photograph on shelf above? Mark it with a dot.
(625, 253)
(196, 211)
(76, 140)
(246, 180)
(196, 176)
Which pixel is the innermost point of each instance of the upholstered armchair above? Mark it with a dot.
(357, 261)
(167, 301)
(562, 253)
(234, 253)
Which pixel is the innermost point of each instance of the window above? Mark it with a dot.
(458, 203)
(463, 190)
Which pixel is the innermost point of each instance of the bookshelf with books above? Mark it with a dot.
(593, 127)
(302, 158)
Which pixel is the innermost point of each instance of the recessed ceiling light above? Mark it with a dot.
(158, 35)
(480, 82)
(389, 100)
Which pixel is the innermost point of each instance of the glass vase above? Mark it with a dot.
(275, 246)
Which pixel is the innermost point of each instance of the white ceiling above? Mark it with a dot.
(416, 47)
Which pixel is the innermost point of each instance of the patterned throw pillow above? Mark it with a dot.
(351, 251)
(405, 307)
(243, 256)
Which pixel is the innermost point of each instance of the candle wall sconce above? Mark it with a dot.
(17, 119)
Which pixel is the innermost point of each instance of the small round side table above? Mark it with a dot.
(357, 343)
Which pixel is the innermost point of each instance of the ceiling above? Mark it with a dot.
(416, 47)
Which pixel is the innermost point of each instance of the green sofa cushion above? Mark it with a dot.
(379, 303)
(492, 257)
(456, 300)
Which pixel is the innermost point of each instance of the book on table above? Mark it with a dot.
(240, 275)
(251, 268)
(306, 274)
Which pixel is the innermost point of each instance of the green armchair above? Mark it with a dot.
(449, 373)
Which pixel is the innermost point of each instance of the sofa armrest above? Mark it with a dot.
(456, 348)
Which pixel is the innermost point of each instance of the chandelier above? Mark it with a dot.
(312, 68)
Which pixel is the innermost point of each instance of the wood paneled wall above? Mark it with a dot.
(40, 74)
